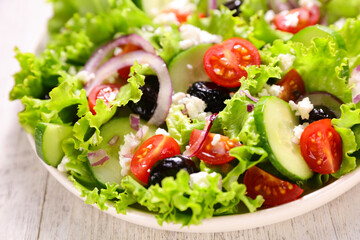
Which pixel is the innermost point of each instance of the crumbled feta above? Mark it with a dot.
(309, 3)
(292, 19)
(216, 139)
(117, 51)
(177, 97)
(147, 28)
(183, 6)
(201, 179)
(72, 70)
(339, 24)
(298, 130)
(192, 36)
(302, 108)
(84, 76)
(189, 66)
(127, 150)
(354, 82)
(194, 106)
(166, 19)
(286, 61)
(61, 166)
(271, 90)
(269, 16)
(161, 131)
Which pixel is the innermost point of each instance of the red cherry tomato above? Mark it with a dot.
(106, 92)
(152, 150)
(214, 151)
(124, 72)
(225, 63)
(321, 147)
(296, 19)
(274, 190)
(293, 85)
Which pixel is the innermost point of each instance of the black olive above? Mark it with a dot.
(169, 167)
(320, 112)
(213, 95)
(234, 5)
(147, 104)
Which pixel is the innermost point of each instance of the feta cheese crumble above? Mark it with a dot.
(166, 19)
(271, 90)
(286, 61)
(216, 139)
(61, 166)
(201, 179)
(161, 131)
(194, 107)
(291, 20)
(298, 130)
(127, 150)
(192, 36)
(309, 3)
(269, 16)
(85, 76)
(354, 83)
(302, 108)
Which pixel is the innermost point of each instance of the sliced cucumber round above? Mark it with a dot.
(109, 172)
(275, 121)
(187, 67)
(306, 35)
(48, 139)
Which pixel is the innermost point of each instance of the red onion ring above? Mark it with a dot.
(135, 121)
(155, 63)
(195, 148)
(95, 60)
(249, 96)
(98, 157)
(113, 140)
(211, 4)
(278, 6)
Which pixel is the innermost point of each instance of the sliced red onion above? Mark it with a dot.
(155, 63)
(135, 121)
(113, 140)
(95, 60)
(249, 95)
(354, 82)
(250, 107)
(194, 148)
(98, 157)
(212, 4)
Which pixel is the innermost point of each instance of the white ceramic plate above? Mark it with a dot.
(231, 222)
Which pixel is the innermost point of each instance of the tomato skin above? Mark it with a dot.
(274, 190)
(225, 63)
(293, 85)
(106, 92)
(213, 154)
(321, 147)
(152, 150)
(305, 17)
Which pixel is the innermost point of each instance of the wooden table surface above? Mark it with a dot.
(33, 205)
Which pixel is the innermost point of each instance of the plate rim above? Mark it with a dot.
(243, 221)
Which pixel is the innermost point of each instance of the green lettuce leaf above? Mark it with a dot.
(322, 66)
(350, 119)
(250, 7)
(337, 9)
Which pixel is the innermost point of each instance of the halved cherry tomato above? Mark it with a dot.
(124, 72)
(293, 85)
(321, 147)
(274, 190)
(296, 19)
(152, 150)
(214, 151)
(225, 63)
(106, 92)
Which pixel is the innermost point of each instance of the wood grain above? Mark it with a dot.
(33, 205)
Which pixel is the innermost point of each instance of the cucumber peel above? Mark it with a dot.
(275, 121)
(48, 139)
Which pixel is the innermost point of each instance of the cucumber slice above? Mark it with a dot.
(48, 139)
(187, 67)
(275, 122)
(318, 31)
(109, 172)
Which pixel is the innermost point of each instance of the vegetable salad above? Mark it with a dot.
(192, 108)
